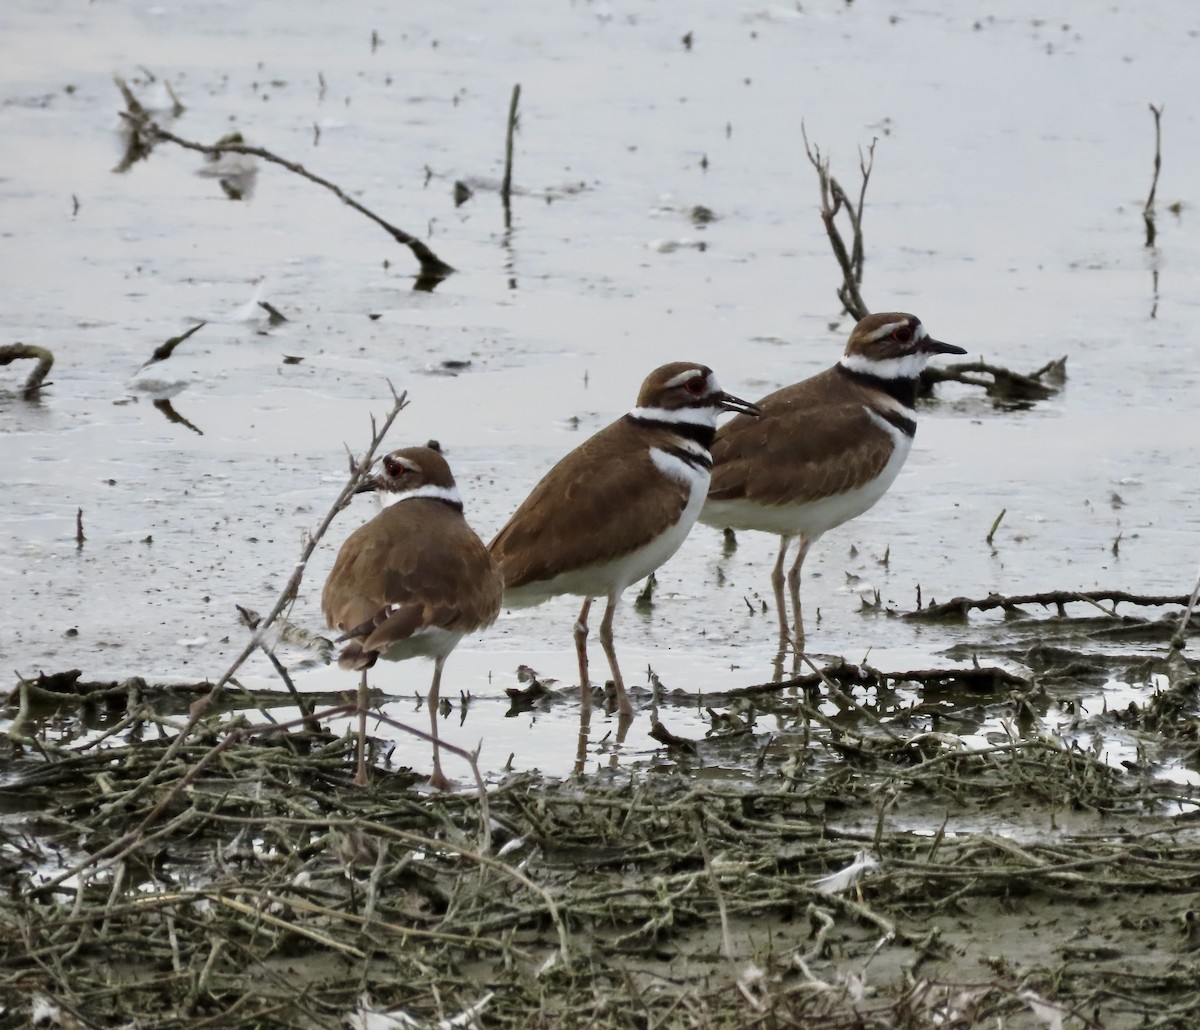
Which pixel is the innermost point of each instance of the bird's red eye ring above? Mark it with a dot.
(696, 385)
(393, 468)
(902, 334)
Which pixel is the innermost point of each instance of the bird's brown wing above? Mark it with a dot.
(812, 440)
(416, 564)
(602, 501)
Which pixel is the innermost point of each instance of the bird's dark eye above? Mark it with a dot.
(903, 334)
(696, 385)
(393, 468)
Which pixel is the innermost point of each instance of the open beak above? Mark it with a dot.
(931, 346)
(729, 402)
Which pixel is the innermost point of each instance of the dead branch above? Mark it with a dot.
(60, 690)
(664, 736)
(1000, 383)
(959, 607)
(251, 621)
(146, 133)
(11, 352)
(846, 675)
(472, 760)
(833, 200)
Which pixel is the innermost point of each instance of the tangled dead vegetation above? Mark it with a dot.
(269, 892)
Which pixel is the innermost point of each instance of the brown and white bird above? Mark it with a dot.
(618, 506)
(824, 450)
(411, 582)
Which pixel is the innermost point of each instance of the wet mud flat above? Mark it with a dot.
(867, 861)
(1002, 830)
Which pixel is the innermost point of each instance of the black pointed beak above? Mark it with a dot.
(729, 402)
(368, 486)
(931, 346)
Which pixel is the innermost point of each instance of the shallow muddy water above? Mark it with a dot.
(1014, 153)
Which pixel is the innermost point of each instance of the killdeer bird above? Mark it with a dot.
(824, 450)
(618, 506)
(411, 582)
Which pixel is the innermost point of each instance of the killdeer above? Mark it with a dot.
(411, 582)
(618, 506)
(823, 450)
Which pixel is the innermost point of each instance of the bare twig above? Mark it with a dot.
(306, 710)
(833, 199)
(472, 759)
(149, 132)
(1179, 639)
(251, 620)
(11, 352)
(506, 185)
(865, 165)
(715, 885)
(995, 526)
(202, 706)
(1148, 210)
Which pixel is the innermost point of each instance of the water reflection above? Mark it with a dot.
(164, 405)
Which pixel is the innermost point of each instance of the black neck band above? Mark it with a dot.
(903, 389)
(703, 435)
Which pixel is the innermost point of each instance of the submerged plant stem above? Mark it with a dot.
(1148, 215)
(506, 186)
(11, 352)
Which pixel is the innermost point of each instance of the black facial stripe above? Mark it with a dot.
(902, 390)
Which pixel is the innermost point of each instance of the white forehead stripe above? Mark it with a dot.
(683, 377)
(885, 331)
